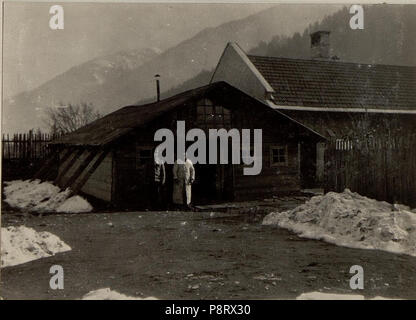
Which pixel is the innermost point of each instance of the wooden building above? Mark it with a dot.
(111, 159)
(299, 105)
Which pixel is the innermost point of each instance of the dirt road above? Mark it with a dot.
(201, 255)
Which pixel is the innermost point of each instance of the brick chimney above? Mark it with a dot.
(320, 48)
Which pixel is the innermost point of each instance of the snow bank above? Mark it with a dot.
(351, 220)
(315, 295)
(22, 244)
(75, 204)
(37, 196)
(108, 294)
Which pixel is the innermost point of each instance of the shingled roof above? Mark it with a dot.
(335, 84)
(122, 121)
(118, 123)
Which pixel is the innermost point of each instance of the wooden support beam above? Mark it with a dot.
(78, 186)
(43, 172)
(64, 158)
(80, 168)
(51, 174)
(68, 166)
(43, 169)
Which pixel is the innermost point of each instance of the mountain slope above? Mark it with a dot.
(110, 88)
(387, 38)
(26, 110)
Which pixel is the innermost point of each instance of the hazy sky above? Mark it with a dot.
(33, 53)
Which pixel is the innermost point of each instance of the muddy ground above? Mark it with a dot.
(197, 255)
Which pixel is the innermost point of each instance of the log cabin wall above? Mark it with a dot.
(275, 178)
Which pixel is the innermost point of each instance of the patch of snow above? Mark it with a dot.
(52, 203)
(383, 298)
(315, 295)
(27, 194)
(37, 196)
(108, 294)
(351, 220)
(75, 204)
(315, 192)
(21, 244)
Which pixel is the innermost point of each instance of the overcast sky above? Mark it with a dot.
(33, 53)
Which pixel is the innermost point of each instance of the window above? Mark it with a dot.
(278, 156)
(212, 116)
(144, 156)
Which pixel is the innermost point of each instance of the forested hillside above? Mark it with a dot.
(388, 37)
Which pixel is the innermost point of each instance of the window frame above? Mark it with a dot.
(210, 115)
(139, 162)
(286, 155)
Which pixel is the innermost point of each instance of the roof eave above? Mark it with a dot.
(342, 109)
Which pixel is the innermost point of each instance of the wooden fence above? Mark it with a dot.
(26, 146)
(382, 168)
(23, 154)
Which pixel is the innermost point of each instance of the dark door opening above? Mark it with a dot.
(213, 183)
(308, 164)
(204, 190)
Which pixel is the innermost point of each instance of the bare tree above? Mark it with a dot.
(63, 119)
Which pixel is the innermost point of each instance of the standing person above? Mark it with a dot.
(159, 182)
(183, 177)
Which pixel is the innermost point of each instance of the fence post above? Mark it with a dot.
(19, 148)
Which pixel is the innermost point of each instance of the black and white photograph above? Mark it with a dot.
(208, 151)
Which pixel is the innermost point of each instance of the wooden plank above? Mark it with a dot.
(68, 166)
(97, 162)
(80, 168)
(8, 147)
(43, 169)
(41, 172)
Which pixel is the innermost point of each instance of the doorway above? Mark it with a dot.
(308, 164)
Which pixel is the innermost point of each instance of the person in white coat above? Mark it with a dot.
(183, 178)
